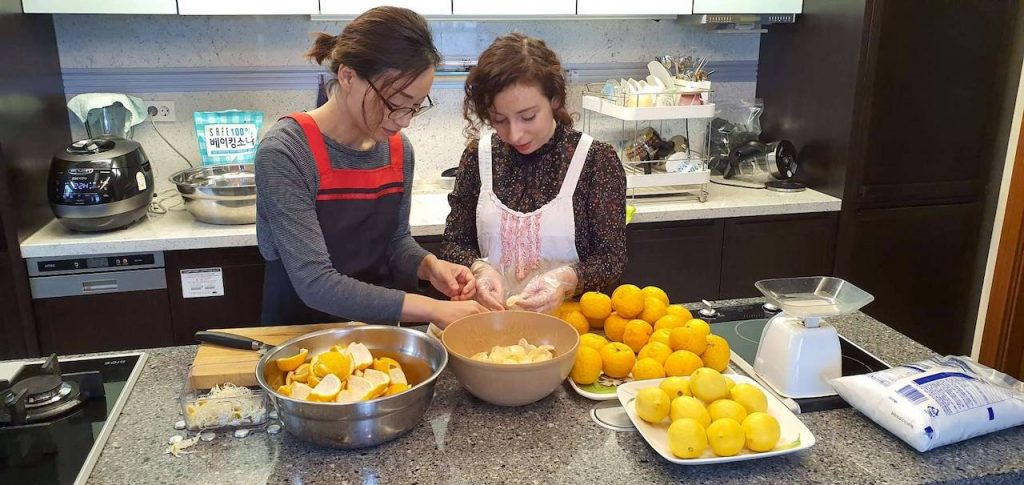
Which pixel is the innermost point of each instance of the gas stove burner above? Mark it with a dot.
(46, 393)
(41, 390)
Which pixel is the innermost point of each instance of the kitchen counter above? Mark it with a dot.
(177, 230)
(463, 440)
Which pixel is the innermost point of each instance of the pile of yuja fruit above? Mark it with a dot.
(645, 336)
(710, 410)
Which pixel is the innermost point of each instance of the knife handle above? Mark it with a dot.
(229, 340)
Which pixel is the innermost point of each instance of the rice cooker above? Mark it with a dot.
(99, 184)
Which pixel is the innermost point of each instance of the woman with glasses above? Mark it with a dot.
(538, 208)
(335, 185)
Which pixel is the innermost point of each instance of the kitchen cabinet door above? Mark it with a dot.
(918, 263)
(356, 7)
(101, 322)
(101, 6)
(248, 7)
(683, 258)
(757, 248)
(747, 6)
(618, 7)
(240, 304)
(515, 9)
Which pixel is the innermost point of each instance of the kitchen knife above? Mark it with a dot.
(234, 341)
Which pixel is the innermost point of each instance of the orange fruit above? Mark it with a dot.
(593, 341)
(628, 301)
(655, 350)
(587, 367)
(682, 363)
(617, 360)
(596, 322)
(286, 364)
(577, 320)
(655, 292)
(661, 336)
(699, 325)
(614, 327)
(683, 338)
(636, 334)
(567, 306)
(595, 305)
(653, 310)
(669, 322)
(647, 368)
(679, 311)
(716, 353)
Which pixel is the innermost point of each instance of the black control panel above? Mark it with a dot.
(103, 262)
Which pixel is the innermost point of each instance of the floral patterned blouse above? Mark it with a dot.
(525, 183)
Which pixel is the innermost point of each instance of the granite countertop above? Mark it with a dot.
(463, 440)
(177, 230)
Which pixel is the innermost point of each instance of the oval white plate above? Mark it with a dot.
(611, 394)
(795, 435)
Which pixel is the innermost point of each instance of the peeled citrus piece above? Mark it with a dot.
(361, 388)
(335, 363)
(300, 391)
(285, 390)
(380, 381)
(385, 364)
(291, 363)
(361, 356)
(327, 389)
(397, 376)
(396, 388)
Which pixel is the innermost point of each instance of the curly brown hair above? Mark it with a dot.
(512, 59)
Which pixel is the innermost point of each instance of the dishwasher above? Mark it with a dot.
(100, 302)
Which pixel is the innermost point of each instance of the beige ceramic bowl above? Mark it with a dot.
(510, 384)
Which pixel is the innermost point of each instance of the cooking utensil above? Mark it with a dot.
(360, 424)
(219, 194)
(234, 341)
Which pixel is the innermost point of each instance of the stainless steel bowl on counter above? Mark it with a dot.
(361, 424)
(219, 194)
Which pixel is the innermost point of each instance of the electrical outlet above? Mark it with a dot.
(161, 110)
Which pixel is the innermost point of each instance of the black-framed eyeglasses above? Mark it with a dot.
(399, 112)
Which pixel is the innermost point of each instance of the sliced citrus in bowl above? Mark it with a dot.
(286, 364)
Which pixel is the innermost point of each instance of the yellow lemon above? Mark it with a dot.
(628, 301)
(617, 360)
(750, 397)
(655, 292)
(653, 310)
(662, 336)
(669, 322)
(699, 325)
(726, 437)
(647, 368)
(683, 338)
(286, 364)
(682, 363)
(652, 404)
(655, 350)
(708, 385)
(679, 311)
(327, 389)
(577, 320)
(727, 408)
(595, 305)
(614, 327)
(587, 367)
(716, 353)
(687, 438)
(729, 382)
(675, 386)
(636, 334)
(762, 431)
(689, 407)
(593, 341)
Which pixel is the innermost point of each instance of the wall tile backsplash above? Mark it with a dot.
(127, 42)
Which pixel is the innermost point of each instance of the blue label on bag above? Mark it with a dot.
(228, 136)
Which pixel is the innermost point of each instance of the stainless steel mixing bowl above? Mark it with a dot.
(219, 194)
(361, 424)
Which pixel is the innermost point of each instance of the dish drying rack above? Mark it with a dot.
(630, 119)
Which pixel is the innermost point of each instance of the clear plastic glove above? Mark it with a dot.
(490, 286)
(546, 291)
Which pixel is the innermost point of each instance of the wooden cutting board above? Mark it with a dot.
(217, 365)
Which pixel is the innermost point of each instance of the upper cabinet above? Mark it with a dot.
(520, 8)
(101, 6)
(356, 7)
(248, 7)
(649, 7)
(747, 6)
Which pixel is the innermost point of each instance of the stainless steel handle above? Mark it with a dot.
(99, 285)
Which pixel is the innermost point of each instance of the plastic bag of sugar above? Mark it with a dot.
(938, 401)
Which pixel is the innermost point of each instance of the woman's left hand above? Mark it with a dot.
(546, 291)
(454, 280)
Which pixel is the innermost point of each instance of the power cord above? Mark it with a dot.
(161, 135)
(754, 187)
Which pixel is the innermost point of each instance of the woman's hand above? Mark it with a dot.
(548, 290)
(446, 312)
(454, 280)
(490, 286)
